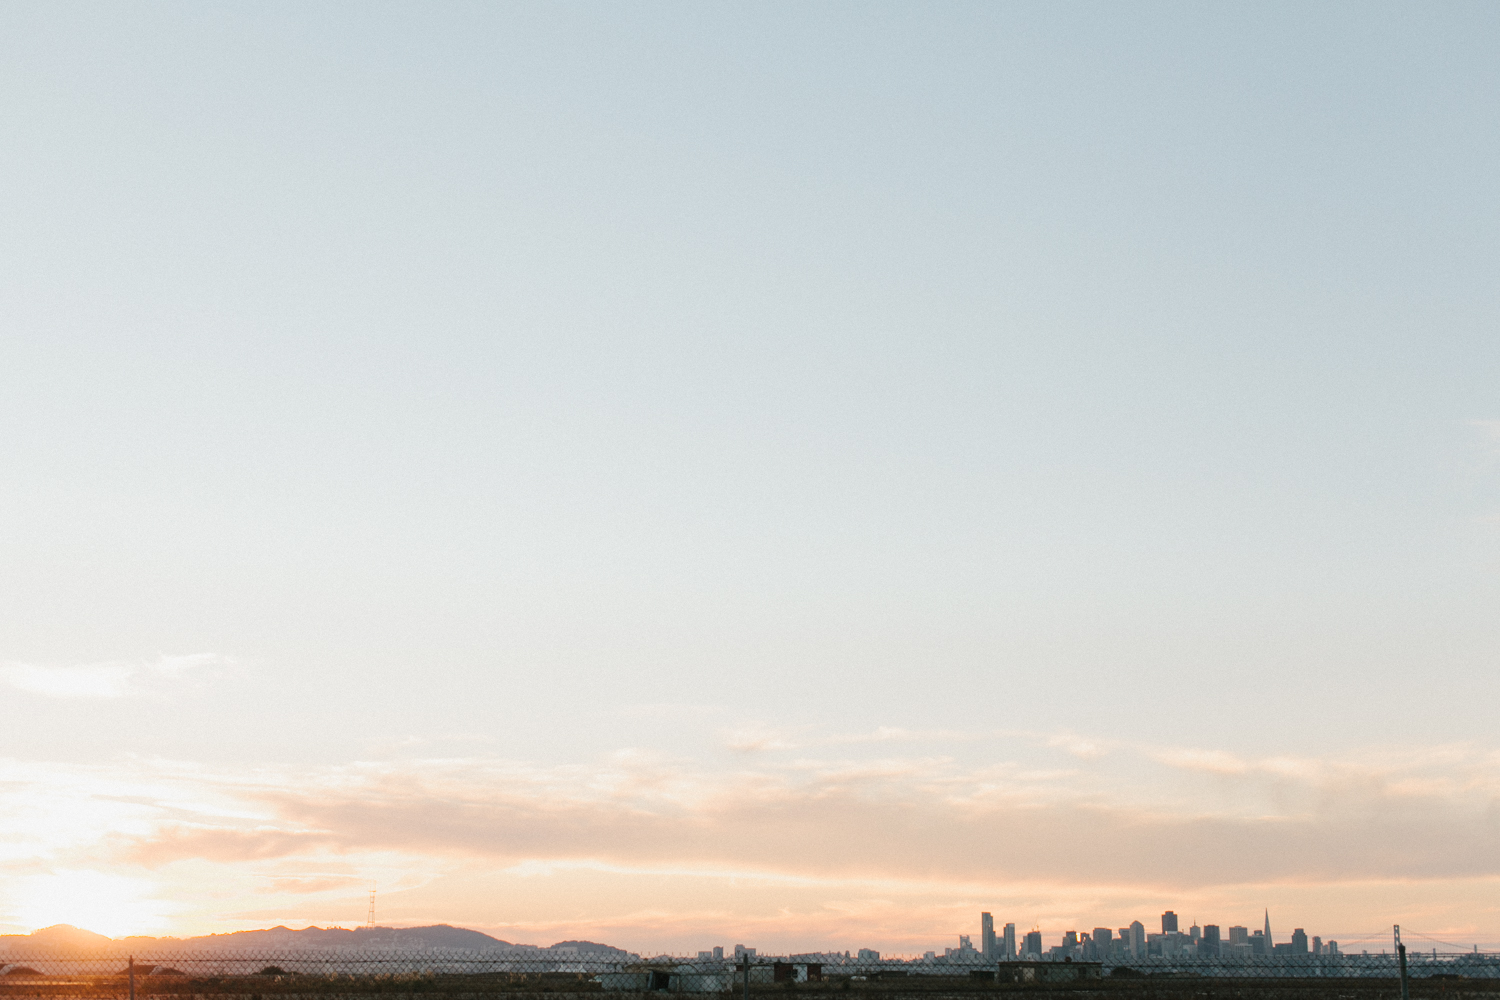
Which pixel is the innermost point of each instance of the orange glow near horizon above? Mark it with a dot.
(112, 905)
(683, 859)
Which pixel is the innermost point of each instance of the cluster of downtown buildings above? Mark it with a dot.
(1104, 944)
(1133, 943)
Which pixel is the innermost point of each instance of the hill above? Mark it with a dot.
(64, 937)
(435, 936)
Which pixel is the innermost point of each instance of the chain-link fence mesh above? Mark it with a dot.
(159, 972)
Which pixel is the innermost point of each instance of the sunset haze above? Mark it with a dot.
(803, 475)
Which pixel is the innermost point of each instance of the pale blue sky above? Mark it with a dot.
(502, 376)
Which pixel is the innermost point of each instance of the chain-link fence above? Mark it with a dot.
(158, 972)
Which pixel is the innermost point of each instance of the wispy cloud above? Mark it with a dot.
(111, 679)
(1079, 746)
(758, 737)
(302, 885)
(1457, 775)
(901, 819)
(1489, 428)
(749, 739)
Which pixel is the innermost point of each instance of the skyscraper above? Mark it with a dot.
(987, 937)
(1209, 946)
(1008, 951)
(1299, 941)
(1269, 939)
(1033, 946)
(1169, 923)
(1137, 939)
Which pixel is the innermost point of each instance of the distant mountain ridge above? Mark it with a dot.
(63, 936)
(435, 936)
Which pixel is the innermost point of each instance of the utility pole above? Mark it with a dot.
(746, 966)
(1401, 957)
(130, 969)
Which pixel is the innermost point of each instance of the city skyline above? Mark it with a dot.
(1103, 944)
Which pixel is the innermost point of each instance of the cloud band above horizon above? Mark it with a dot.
(831, 836)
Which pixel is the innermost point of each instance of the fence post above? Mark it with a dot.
(130, 968)
(1401, 957)
(747, 976)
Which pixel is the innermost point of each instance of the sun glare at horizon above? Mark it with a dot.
(112, 905)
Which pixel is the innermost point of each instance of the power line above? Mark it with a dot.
(1450, 944)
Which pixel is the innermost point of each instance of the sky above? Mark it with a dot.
(787, 474)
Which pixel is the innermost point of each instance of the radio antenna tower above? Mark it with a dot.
(370, 920)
